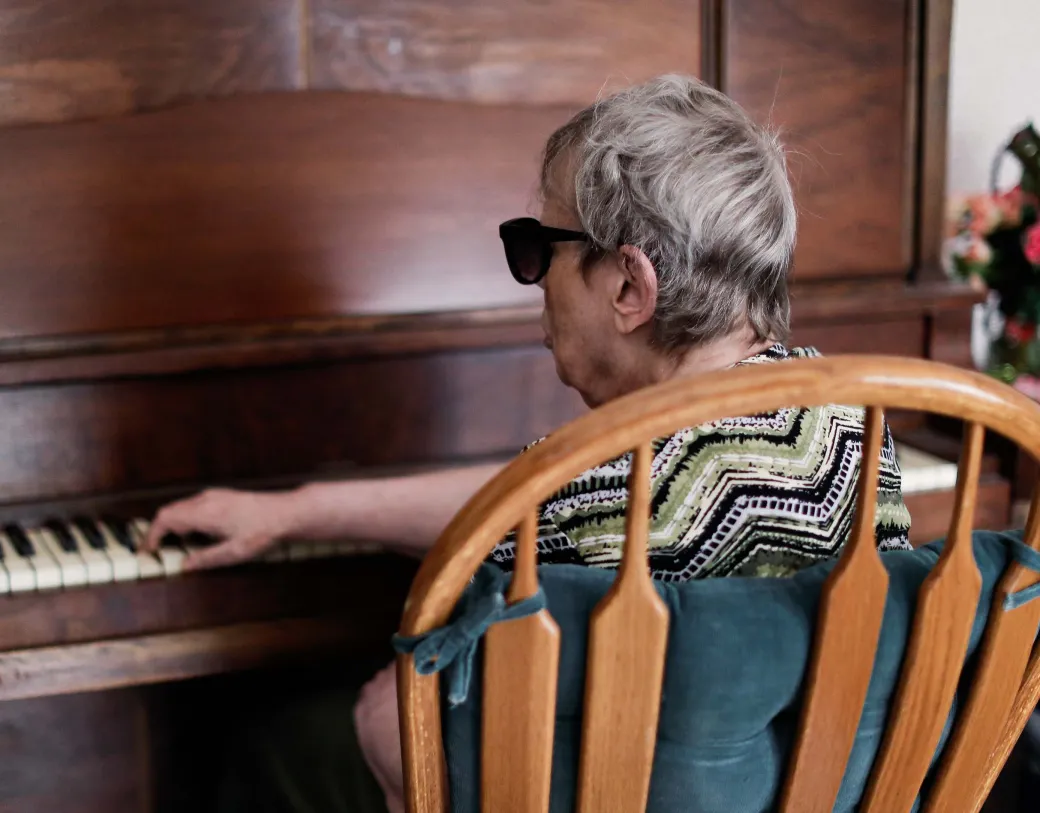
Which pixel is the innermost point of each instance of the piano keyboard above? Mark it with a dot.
(86, 551)
(83, 551)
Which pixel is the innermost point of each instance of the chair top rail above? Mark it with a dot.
(616, 428)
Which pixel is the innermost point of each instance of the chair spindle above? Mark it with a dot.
(1004, 654)
(852, 605)
(521, 663)
(943, 618)
(628, 635)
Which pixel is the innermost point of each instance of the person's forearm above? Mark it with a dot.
(409, 512)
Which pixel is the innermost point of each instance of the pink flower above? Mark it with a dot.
(1019, 332)
(976, 251)
(1010, 206)
(984, 214)
(1031, 244)
(969, 255)
(1028, 385)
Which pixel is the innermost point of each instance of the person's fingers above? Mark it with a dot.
(170, 519)
(193, 514)
(222, 554)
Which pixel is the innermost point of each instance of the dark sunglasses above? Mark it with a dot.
(528, 247)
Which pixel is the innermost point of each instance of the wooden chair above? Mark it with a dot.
(629, 628)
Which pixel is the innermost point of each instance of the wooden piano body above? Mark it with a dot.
(254, 243)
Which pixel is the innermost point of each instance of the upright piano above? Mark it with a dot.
(254, 244)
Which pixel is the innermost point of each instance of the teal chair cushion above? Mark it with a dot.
(738, 649)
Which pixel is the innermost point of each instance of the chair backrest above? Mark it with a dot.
(629, 628)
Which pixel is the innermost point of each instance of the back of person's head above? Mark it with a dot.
(681, 171)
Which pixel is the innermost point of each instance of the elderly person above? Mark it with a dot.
(663, 248)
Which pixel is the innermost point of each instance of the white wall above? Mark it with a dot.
(994, 86)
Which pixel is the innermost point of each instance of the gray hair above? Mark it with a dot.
(679, 170)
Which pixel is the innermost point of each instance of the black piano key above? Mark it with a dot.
(196, 538)
(90, 532)
(61, 533)
(121, 531)
(18, 538)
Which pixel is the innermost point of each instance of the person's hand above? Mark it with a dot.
(244, 525)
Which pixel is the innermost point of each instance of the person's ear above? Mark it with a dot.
(635, 294)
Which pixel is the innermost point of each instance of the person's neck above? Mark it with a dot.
(718, 355)
(648, 367)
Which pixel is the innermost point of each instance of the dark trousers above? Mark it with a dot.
(303, 757)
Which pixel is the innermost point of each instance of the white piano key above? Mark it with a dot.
(73, 568)
(20, 573)
(99, 566)
(45, 566)
(302, 550)
(324, 550)
(124, 563)
(345, 548)
(349, 548)
(5, 577)
(276, 554)
(148, 564)
(172, 559)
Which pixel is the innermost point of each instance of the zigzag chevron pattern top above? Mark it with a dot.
(760, 495)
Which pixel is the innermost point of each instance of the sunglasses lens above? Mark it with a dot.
(525, 260)
(525, 252)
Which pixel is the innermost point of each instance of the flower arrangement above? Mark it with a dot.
(994, 244)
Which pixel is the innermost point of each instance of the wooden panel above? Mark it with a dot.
(80, 754)
(263, 208)
(897, 337)
(949, 337)
(832, 74)
(936, 27)
(86, 357)
(533, 52)
(521, 662)
(930, 511)
(829, 316)
(943, 618)
(628, 635)
(365, 592)
(87, 667)
(877, 298)
(71, 59)
(259, 423)
(852, 605)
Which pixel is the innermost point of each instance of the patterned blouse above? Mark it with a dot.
(764, 495)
